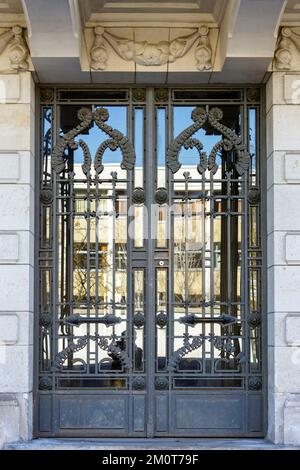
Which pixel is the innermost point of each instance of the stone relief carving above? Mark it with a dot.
(98, 52)
(14, 41)
(148, 53)
(203, 53)
(289, 42)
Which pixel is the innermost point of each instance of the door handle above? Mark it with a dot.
(107, 320)
(192, 320)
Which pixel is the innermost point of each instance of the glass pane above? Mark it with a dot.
(161, 146)
(139, 147)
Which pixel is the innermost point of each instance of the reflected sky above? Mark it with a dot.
(118, 120)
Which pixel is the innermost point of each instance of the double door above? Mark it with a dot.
(150, 308)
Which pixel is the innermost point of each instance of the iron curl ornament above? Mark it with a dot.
(230, 140)
(116, 140)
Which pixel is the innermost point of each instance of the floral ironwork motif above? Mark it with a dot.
(45, 320)
(161, 94)
(161, 319)
(46, 196)
(103, 343)
(161, 382)
(161, 196)
(138, 196)
(254, 196)
(117, 140)
(47, 95)
(229, 142)
(138, 383)
(139, 94)
(255, 383)
(45, 383)
(191, 343)
(139, 320)
(254, 319)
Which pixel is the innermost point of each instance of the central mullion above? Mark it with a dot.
(150, 184)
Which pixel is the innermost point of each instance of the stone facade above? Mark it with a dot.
(17, 124)
(222, 56)
(283, 158)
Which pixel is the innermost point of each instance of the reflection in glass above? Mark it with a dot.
(161, 146)
(139, 319)
(161, 317)
(139, 146)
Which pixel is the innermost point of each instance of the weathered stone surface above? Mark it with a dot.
(292, 420)
(9, 247)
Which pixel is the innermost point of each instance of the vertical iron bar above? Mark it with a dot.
(150, 285)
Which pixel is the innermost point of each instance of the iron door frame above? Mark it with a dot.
(150, 167)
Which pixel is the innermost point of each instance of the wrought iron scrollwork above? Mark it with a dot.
(229, 141)
(222, 343)
(111, 348)
(117, 140)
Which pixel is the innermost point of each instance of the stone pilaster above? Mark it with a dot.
(283, 228)
(16, 255)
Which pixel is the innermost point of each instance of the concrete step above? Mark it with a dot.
(148, 444)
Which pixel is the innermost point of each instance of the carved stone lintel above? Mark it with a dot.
(151, 54)
(17, 48)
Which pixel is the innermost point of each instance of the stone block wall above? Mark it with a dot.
(16, 254)
(283, 238)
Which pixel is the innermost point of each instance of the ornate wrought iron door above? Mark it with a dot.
(150, 263)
